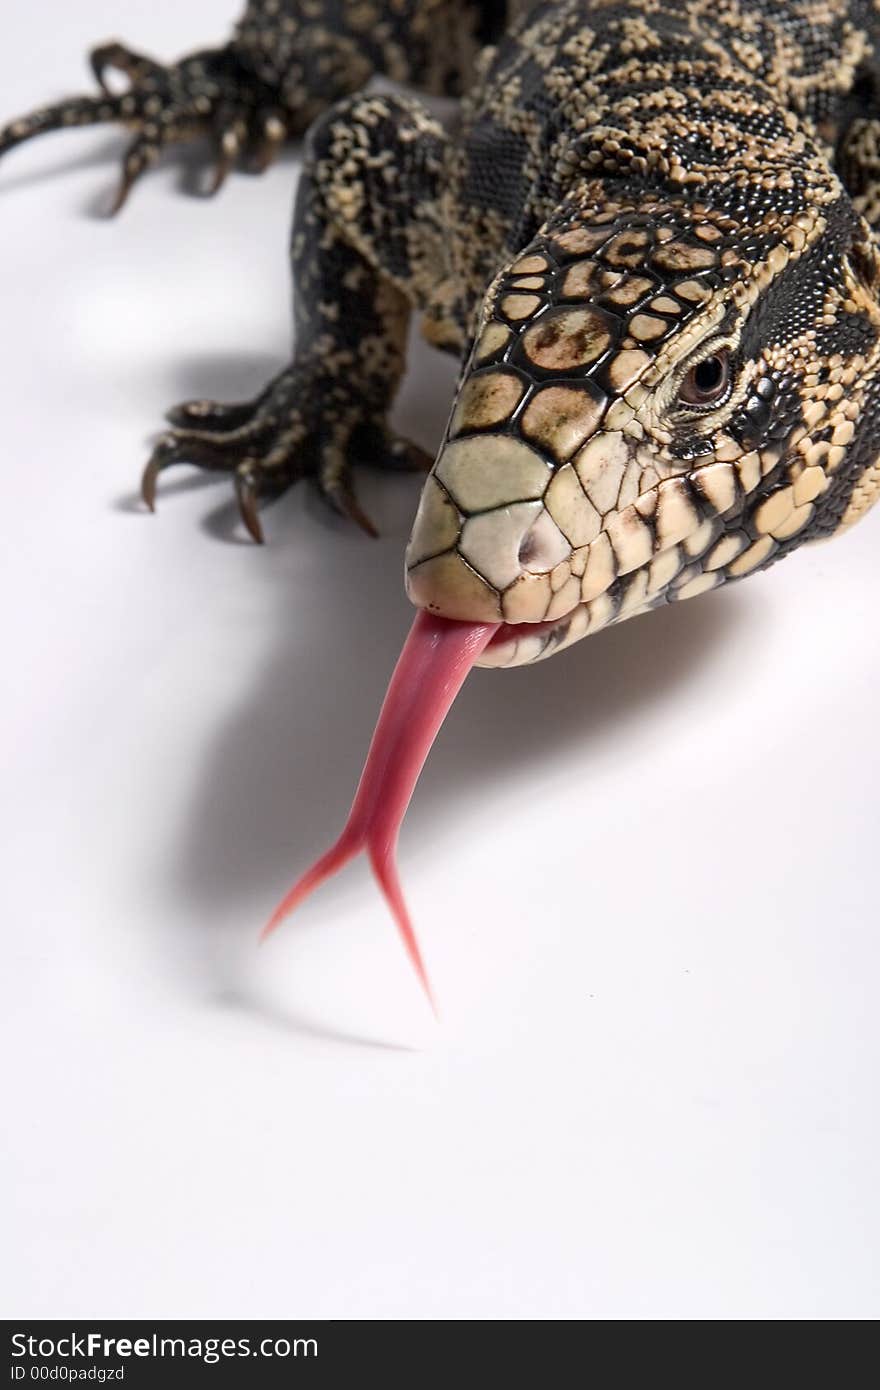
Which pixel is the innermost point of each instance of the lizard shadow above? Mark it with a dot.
(189, 164)
(235, 999)
(95, 156)
(278, 774)
(185, 162)
(224, 376)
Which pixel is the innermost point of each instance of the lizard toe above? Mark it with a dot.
(208, 93)
(118, 57)
(247, 491)
(213, 416)
(301, 425)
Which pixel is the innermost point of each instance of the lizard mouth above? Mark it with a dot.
(518, 644)
(512, 632)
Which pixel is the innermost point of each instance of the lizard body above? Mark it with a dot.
(649, 237)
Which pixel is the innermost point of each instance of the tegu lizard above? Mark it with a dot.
(650, 240)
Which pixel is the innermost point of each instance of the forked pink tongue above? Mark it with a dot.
(429, 673)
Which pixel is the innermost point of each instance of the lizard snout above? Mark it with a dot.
(484, 547)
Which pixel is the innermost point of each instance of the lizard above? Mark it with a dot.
(649, 238)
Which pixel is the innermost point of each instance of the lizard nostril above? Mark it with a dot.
(528, 551)
(543, 546)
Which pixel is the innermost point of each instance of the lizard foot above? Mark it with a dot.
(299, 427)
(208, 93)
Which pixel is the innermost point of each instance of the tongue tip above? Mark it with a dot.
(347, 846)
(385, 870)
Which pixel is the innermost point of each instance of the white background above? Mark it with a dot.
(644, 873)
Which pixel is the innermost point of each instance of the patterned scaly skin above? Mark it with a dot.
(649, 238)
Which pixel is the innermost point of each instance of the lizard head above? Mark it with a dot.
(661, 397)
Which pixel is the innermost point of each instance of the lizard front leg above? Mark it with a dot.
(367, 246)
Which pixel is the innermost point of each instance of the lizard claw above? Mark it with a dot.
(267, 142)
(231, 132)
(174, 448)
(114, 55)
(210, 453)
(134, 165)
(246, 490)
(407, 457)
(337, 488)
(149, 479)
(160, 459)
(222, 169)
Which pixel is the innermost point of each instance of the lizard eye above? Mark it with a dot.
(707, 381)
